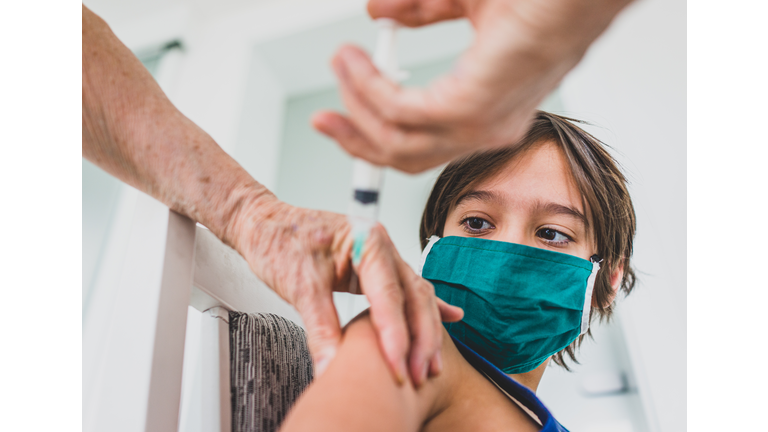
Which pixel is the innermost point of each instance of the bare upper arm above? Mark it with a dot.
(358, 391)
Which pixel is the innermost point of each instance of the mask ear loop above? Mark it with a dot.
(596, 260)
(432, 241)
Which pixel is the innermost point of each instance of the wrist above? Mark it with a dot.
(191, 174)
(246, 207)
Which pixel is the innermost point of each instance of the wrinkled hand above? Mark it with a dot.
(304, 255)
(522, 49)
(132, 130)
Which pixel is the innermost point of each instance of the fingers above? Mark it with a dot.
(323, 329)
(404, 310)
(346, 134)
(367, 122)
(394, 146)
(449, 313)
(389, 126)
(415, 13)
(392, 103)
(424, 324)
(380, 281)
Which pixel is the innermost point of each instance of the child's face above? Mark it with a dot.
(532, 201)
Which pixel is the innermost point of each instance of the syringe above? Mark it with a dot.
(366, 178)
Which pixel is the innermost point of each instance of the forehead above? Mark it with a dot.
(540, 172)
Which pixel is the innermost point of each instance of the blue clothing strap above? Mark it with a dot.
(526, 397)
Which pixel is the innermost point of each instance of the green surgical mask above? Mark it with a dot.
(521, 304)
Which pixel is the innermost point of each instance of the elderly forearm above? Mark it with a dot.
(131, 130)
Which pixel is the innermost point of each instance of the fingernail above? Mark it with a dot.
(401, 372)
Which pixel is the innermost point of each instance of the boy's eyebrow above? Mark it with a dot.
(555, 208)
(539, 207)
(481, 195)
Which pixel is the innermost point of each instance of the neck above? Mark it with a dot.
(532, 378)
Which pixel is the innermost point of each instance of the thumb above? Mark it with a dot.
(323, 329)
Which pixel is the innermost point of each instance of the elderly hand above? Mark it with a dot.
(522, 49)
(132, 130)
(304, 255)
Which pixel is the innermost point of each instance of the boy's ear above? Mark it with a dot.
(615, 280)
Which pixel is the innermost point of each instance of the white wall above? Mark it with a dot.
(100, 195)
(632, 84)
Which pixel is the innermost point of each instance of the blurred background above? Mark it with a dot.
(251, 73)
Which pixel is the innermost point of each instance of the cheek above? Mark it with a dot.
(583, 250)
(452, 230)
(451, 227)
(586, 251)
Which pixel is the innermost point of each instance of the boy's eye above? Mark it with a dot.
(553, 236)
(475, 224)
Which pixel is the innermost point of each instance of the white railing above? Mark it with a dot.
(134, 354)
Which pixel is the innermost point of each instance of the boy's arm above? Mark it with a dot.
(358, 393)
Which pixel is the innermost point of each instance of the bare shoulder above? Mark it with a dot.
(472, 402)
(360, 345)
(460, 398)
(357, 391)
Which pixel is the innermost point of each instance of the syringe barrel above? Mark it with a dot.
(366, 184)
(366, 178)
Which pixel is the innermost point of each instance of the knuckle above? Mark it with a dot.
(423, 290)
(410, 167)
(390, 111)
(392, 293)
(402, 161)
(426, 286)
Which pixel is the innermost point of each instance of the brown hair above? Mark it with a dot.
(599, 180)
